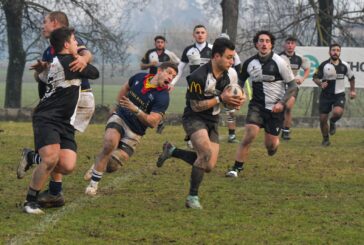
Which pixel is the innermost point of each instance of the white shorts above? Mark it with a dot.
(84, 112)
(128, 137)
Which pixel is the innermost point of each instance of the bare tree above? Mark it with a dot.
(13, 12)
(230, 17)
(103, 28)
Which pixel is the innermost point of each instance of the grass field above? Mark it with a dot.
(305, 194)
(354, 108)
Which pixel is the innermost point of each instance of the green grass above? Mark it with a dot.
(354, 108)
(305, 194)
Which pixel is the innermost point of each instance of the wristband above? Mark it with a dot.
(137, 112)
(218, 99)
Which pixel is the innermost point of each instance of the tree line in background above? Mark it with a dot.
(313, 22)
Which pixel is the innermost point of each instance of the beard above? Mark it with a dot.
(334, 57)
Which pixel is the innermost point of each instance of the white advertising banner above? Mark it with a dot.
(316, 55)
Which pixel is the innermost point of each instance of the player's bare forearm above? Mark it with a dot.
(306, 74)
(317, 81)
(202, 105)
(352, 84)
(151, 120)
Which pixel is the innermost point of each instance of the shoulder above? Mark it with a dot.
(209, 45)
(345, 64)
(201, 71)
(189, 47)
(233, 75)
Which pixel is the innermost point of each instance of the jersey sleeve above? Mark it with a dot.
(285, 70)
(145, 59)
(319, 72)
(305, 63)
(243, 74)
(184, 57)
(349, 72)
(131, 81)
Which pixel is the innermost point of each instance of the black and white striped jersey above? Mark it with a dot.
(334, 75)
(296, 61)
(203, 85)
(196, 57)
(268, 78)
(62, 90)
(152, 55)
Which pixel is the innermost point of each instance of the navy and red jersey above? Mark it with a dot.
(152, 100)
(49, 54)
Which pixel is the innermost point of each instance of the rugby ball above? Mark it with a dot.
(233, 90)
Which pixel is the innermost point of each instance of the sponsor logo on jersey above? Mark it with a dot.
(195, 88)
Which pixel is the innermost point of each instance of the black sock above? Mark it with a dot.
(187, 156)
(231, 131)
(238, 166)
(33, 158)
(32, 195)
(326, 137)
(55, 187)
(196, 179)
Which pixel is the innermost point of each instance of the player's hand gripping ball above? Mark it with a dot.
(233, 90)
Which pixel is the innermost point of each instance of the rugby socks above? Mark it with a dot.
(55, 187)
(96, 177)
(32, 195)
(196, 179)
(238, 166)
(286, 129)
(33, 158)
(231, 131)
(187, 156)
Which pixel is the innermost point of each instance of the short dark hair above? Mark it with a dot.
(168, 64)
(264, 32)
(334, 45)
(159, 37)
(199, 26)
(59, 16)
(59, 37)
(220, 45)
(291, 38)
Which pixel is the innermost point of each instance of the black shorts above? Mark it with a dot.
(48, 132)
(327, 101)
(264, 118)
(193, 124)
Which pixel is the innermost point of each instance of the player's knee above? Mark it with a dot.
(67, 168)
(204, 161)
(50, 161)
